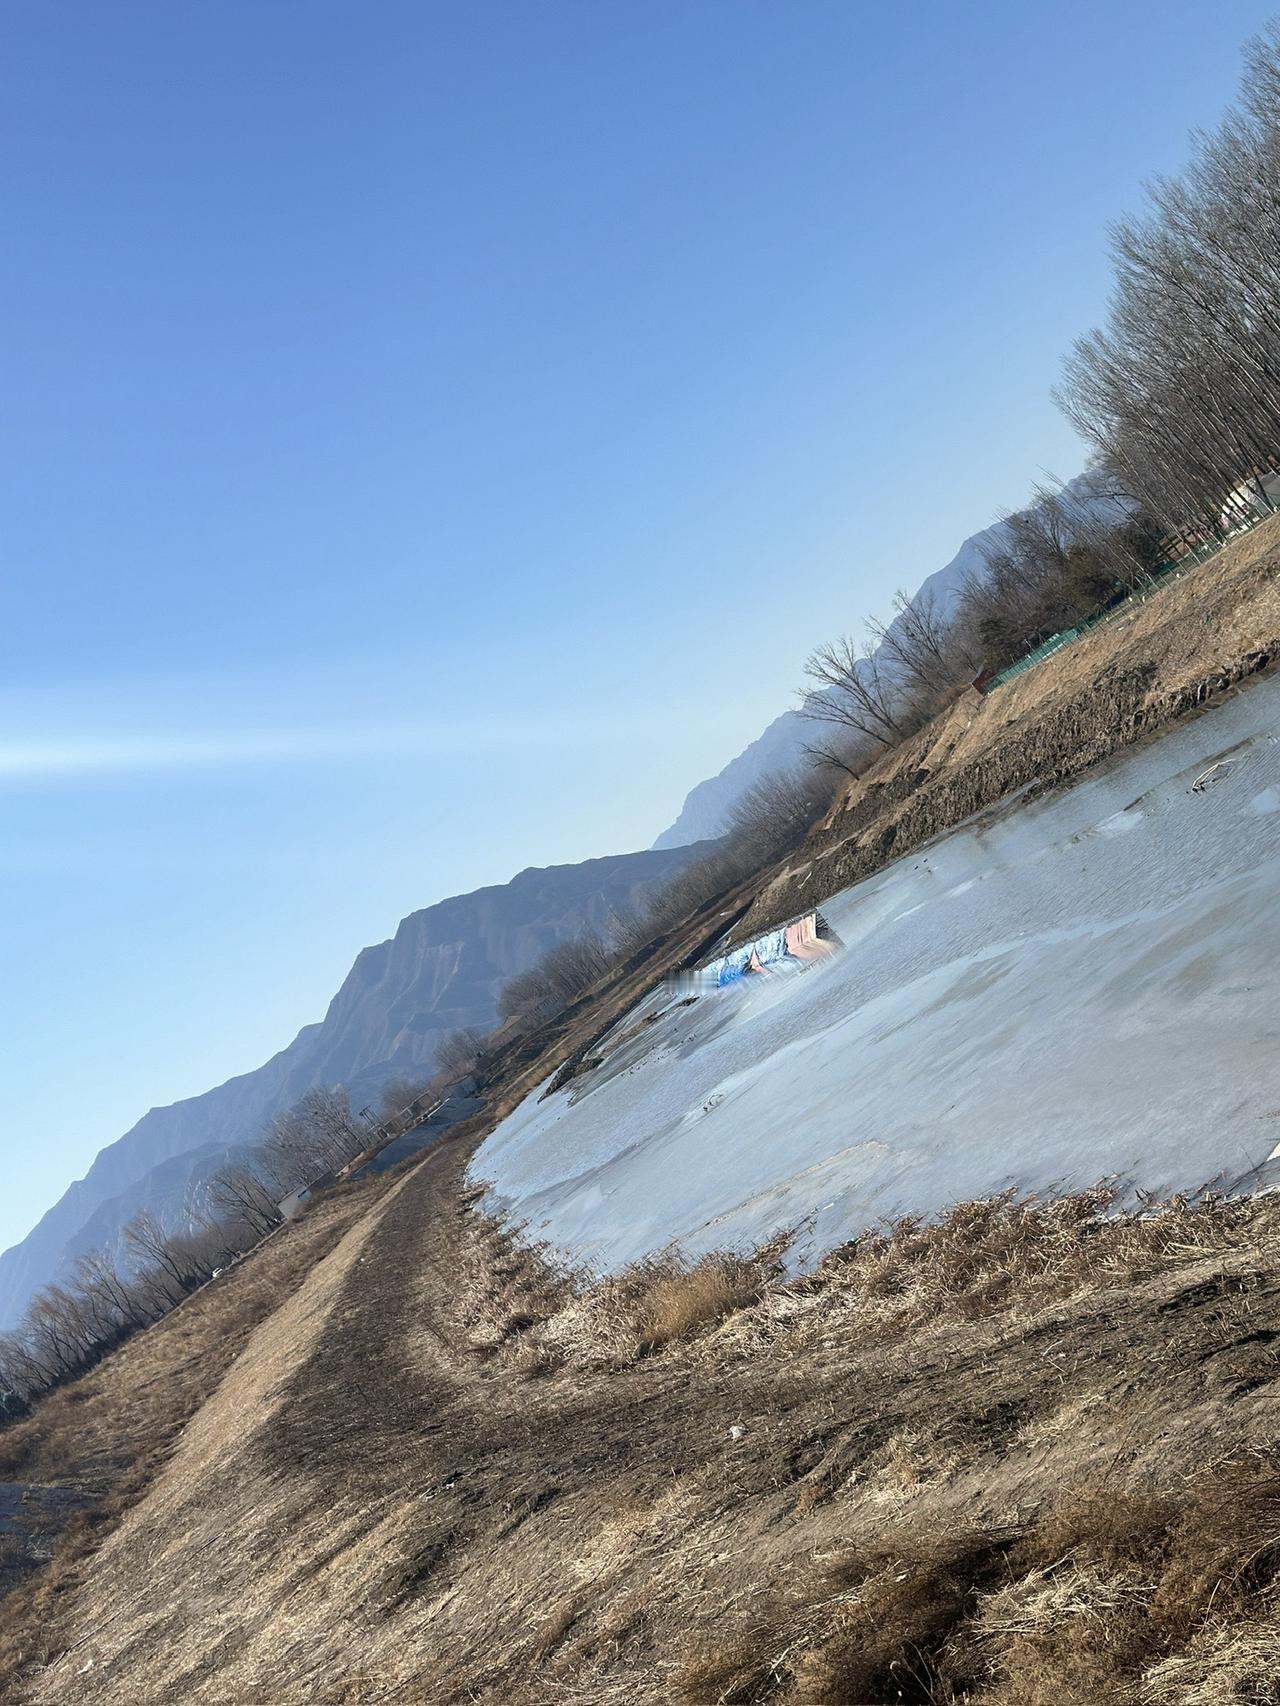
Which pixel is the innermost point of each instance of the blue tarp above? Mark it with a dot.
(767, 949)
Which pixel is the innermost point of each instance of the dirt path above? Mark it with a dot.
(382, 1505)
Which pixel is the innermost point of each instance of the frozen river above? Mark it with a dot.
(1083, 987)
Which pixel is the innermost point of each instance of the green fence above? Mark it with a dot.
(1149, 583)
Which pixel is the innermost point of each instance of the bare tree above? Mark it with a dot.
(838, 755)
(19, 1380)
(853, 690)
(246, 1196)
(925, 652)
(318, 1134)
(776, 812)
(113, 1305)
(163, 1263)
(459, 1053)
(1178, 391)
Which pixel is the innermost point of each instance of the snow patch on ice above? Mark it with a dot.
(1123, 823)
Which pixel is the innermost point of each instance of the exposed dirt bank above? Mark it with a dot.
(1192, 642)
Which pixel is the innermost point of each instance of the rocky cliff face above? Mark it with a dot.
(442, 969)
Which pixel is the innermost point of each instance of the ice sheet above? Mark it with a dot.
(1083, 987)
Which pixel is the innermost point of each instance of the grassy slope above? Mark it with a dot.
(432, 1476)
(1015, 1459)
(109, 1433)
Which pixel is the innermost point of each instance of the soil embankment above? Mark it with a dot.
(1192, 642)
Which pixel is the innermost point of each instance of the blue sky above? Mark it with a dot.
(435, 434)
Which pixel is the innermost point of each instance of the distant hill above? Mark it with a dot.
(442, 969)
(781, 747)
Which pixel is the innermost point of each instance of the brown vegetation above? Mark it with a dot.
(1021, 1456)
(107, 1434)
(1024, 1456)
(683, 1298)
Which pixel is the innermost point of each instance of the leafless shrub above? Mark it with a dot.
(838, 755)
(401, 1093)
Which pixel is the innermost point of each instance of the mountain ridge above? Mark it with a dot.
(439, 971)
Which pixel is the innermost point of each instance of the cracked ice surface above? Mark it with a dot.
(1083, 987)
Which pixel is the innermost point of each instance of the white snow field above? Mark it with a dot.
(1081, 988)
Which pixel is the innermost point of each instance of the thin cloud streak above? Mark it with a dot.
(32, 759)
(51, 757)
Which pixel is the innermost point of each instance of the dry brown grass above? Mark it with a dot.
(1221, 1665)
(680, 1299)
(1109, 1597)
(890, 1619)
(914, 1458)
(555, 1628)
(1142, 1594)
(1109, 1584)
(1011, 1252)
(729, 1672)
(1007, 1257)
(957, 1479)
(570, 1319)
(111, 1431)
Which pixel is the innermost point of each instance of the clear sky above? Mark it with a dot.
(434, 434)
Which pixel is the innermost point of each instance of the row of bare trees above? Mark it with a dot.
(1178, 395)
(70, 1325)
(562, 973)
(1179, 390)
(312, 1140)
(1045, 568)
